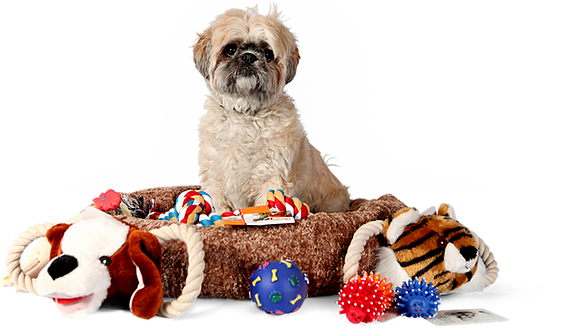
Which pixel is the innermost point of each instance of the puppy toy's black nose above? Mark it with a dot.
(249, 58)
(62, 266)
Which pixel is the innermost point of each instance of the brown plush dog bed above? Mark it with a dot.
(317, 244)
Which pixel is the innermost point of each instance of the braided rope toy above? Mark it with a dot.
(194, 207)
(279, 203)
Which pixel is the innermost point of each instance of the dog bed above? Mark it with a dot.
(317, 244)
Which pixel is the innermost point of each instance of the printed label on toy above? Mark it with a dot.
(257, 220)
(260, 219)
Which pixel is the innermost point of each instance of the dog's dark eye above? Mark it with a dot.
(229, 50)
(105, 260)
(269, 55)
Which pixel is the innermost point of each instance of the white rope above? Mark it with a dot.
(489, 261)
(356, 247)
(368, 230)
(195, 274)
(15, 272)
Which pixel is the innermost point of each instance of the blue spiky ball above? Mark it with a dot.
(417, 299)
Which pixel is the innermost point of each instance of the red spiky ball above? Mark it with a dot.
(365, 298)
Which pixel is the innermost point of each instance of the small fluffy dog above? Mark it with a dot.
(251, 138)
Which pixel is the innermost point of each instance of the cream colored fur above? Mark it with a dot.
(254, 154)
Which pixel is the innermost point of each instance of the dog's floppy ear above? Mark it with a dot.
(54, 236)
(292, 64)
(146, 253)
(201, 54)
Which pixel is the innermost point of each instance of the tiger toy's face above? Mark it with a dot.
(431, 246)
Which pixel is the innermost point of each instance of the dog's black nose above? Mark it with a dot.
(249, 58)
(62, 266)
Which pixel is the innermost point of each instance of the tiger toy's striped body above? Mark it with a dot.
(431, 245)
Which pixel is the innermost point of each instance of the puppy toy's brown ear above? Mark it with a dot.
(54, 236)
(146, 253)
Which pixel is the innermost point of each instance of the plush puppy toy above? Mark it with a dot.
(100, 258)
(431, 244)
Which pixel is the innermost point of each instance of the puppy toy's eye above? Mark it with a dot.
(269, 55)
(230, 50)
(105, 260)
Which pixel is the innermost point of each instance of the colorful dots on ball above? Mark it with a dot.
(278, 287)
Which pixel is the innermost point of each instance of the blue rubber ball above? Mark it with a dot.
(278, 287)
(417, 299)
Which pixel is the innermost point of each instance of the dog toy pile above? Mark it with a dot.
(218, 262)
(278, 287)
(365, 298)
(196, 207)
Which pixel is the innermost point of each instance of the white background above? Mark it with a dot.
(337, 90)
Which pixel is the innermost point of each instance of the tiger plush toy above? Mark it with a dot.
(430, 245)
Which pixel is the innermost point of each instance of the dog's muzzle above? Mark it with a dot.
(246, 66)
(62, 266)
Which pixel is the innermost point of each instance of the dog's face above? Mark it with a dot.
(97, 258)
(246, 58)
(78, 279)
